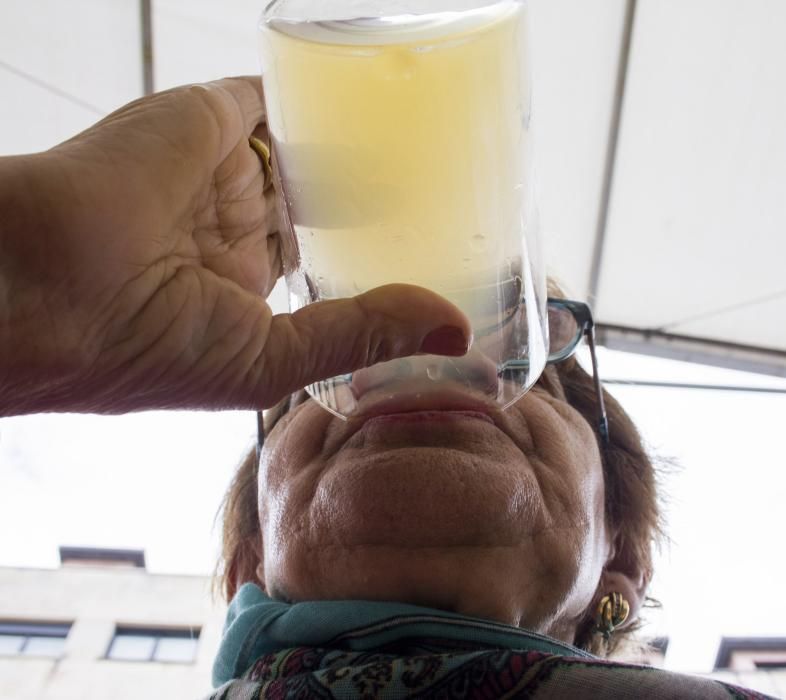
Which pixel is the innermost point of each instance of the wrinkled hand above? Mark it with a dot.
(144, 284)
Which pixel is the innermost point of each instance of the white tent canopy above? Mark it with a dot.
(663, 178)
(661, 148)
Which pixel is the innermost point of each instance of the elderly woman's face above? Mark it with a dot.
(489, 513)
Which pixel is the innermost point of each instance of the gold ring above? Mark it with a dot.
(263, 151)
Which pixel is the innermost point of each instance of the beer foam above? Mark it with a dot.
(394, 29)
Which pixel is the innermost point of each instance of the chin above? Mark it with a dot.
(460, 580)
(427, 497)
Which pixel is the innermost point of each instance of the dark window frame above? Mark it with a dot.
(29, 630)
(131, 557)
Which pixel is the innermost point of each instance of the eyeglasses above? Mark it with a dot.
(569, 321)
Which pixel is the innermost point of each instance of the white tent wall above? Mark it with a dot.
(696, 238)
(199, 40)
(575, 53)
(63, 66)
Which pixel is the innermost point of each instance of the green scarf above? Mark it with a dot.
(257, 625)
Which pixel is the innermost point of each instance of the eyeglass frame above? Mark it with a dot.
(585, 323)
(582, 314)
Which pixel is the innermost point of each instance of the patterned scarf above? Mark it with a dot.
(348, 649)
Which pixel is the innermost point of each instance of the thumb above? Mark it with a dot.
(329, 338)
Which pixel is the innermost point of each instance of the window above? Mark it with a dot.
(33, 639)
(146, 644)
(99, 556)
(751, 654)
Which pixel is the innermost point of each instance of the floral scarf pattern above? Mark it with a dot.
(376, 650)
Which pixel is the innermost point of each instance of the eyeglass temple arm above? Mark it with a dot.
(603, 420)
(260, 433)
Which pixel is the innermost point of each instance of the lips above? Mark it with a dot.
(459, 429)
(428, 408)
(424, 401)
(428, 416)
(422, 415)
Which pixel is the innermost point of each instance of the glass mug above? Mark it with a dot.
(402, 149)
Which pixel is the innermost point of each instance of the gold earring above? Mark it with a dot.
(612, 612)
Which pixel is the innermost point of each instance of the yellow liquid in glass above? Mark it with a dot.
(403, 151)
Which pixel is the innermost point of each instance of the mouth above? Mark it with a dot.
(428, 416)
(426, 408)
(420, 416)
(443, 400)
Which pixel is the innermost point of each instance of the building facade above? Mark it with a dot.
(105, 629)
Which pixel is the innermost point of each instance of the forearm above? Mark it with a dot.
(41, 354)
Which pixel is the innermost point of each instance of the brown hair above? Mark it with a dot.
(632, 507)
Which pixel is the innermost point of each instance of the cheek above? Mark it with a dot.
(289, 468)
(572, 474)
(296, 440)
(585, 506)
(589, 471)
(274, 462)
(572, 482)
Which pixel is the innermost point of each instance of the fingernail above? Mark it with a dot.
(448, 340)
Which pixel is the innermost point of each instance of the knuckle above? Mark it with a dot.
(383, 339)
